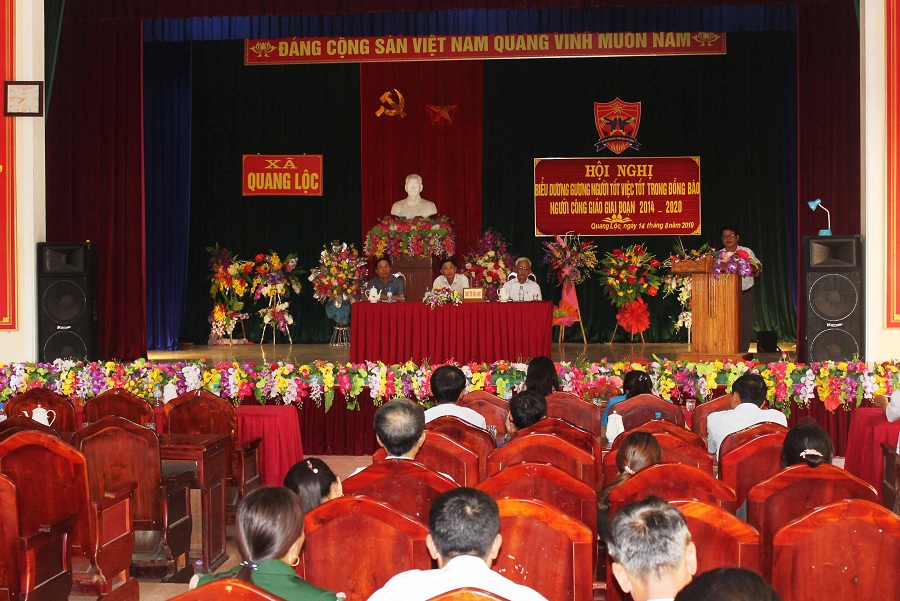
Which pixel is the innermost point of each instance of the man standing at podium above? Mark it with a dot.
(730, 239)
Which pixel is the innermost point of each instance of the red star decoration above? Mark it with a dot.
(440, 113)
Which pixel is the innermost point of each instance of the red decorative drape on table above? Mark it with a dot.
(446, 153)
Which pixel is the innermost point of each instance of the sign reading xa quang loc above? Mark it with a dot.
(282, 175)
(280, 51)
(647, 196)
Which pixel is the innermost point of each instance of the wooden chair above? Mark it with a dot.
(722, 539)
(674, 450)
(446, 456)
(701, 413)
(660, 425)
(121, 403)
(545, 549)
(468, 594)
(201, 412)
(406, 485)
(640, 409)
(890, 478)
(17, 423)
(794, 491)
(743, 466)
(576, 411)
(119, 451)
(673, 482)
(545, 448)
(34, 564)
(51, 478)
(229, 589)
(844, 550)
(577, 436)
(493, 408)
(472, 437)
(24, 404)
(356, 544)
(740, 437)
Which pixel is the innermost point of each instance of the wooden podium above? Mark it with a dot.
(716, 311)
(417, 271)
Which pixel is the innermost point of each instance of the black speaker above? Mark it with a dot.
(67, 302)
(835, 314)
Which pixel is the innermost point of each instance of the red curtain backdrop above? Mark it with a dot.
(95, 187)
(447, 154)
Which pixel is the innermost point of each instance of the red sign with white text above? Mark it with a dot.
(7, 179)
(282, 175)
(647, 196)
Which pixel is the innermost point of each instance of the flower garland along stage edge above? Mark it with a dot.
(838, 385)
(416, 237)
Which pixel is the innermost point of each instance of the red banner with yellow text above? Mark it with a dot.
(647, 196)
(282, 175)
(7, 179)
(478, 47)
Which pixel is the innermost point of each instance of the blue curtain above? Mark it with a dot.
(167, 164)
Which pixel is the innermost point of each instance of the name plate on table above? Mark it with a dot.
(473, 295)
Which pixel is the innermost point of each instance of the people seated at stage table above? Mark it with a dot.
(541, 376)
(748, 395)
(448, 386)
(269, 537)
(728, 584)
(385, 282)
(314, 482)
(449, 278)
(807, 443)
(464, 539)
(525, 409)
(521, 288)
(637, 451)
(634, 383)
(892, 409)
(413, 205)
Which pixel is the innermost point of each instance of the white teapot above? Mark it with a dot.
(374, 295)
(504, 295)
(39, 414)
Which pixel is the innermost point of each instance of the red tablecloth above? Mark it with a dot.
(868, 429)
(483, 332)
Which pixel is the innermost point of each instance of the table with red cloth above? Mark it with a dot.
(470, 332)
(868, 429)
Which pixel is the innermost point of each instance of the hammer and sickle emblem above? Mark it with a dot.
(395, 109)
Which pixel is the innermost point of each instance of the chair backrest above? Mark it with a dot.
(201, 412)
(546, 550)
(406, 485)
(468, 594)
(674, 450)
(792, 492)
(576, 411)
(661, 425)
(673, 482)
(844, 550)
(890, 478)
(722, 539)
(736, 439)
(64, 421)
(745, 465)
(490, 406)
(642, 408)
(577, 436)
(121, 403)
(20, 422)
(472, 437)
(701, 413)
(443, 454)
(545, 448)
(356, 544)
(227, 588)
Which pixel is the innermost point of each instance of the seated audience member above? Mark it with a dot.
(806, 443)
(728, 584)
(637, 451)
(521, 288)
(651, 550)
(448, 385)
(464, 538)
(525, 409)
(635, 382)
(541, 376)
(269, 537)
(450, 279)
(399, 429)
(313, 481)
(384, 281)
(892, 410)
(748, 395)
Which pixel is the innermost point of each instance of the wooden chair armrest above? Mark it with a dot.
(175, 482)
(48, 532)
(250, 446)
(115, 496)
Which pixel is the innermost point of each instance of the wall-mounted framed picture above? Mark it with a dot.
(23, 99)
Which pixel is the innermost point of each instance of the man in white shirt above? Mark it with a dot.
(651, 550)
(448, 385)
(748, 394)
(730, 239)
(450, 279)
(399, 429)
(521, 288)
(892, 410)
(464, 538)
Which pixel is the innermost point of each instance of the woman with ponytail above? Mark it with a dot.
(637, 451)
(806, 443)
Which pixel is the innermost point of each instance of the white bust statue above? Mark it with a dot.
(413, 205)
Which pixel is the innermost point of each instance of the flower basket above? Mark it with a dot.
(416, 237)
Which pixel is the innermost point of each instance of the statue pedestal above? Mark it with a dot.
(418, 275)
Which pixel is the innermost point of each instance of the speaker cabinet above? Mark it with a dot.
(67, 305)
(835, 318)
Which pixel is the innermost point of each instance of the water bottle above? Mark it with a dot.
(521, 293)
(390, 295)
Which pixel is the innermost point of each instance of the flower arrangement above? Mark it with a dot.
(681, 287)
(570, 259)
(338, 280)
(738, 262)
(630, 273)
(416, 237)
(442, 296)
(489, 263)
(274, 280)
(276, 315)
(229, 278)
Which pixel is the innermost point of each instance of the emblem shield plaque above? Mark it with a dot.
(617, 123)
